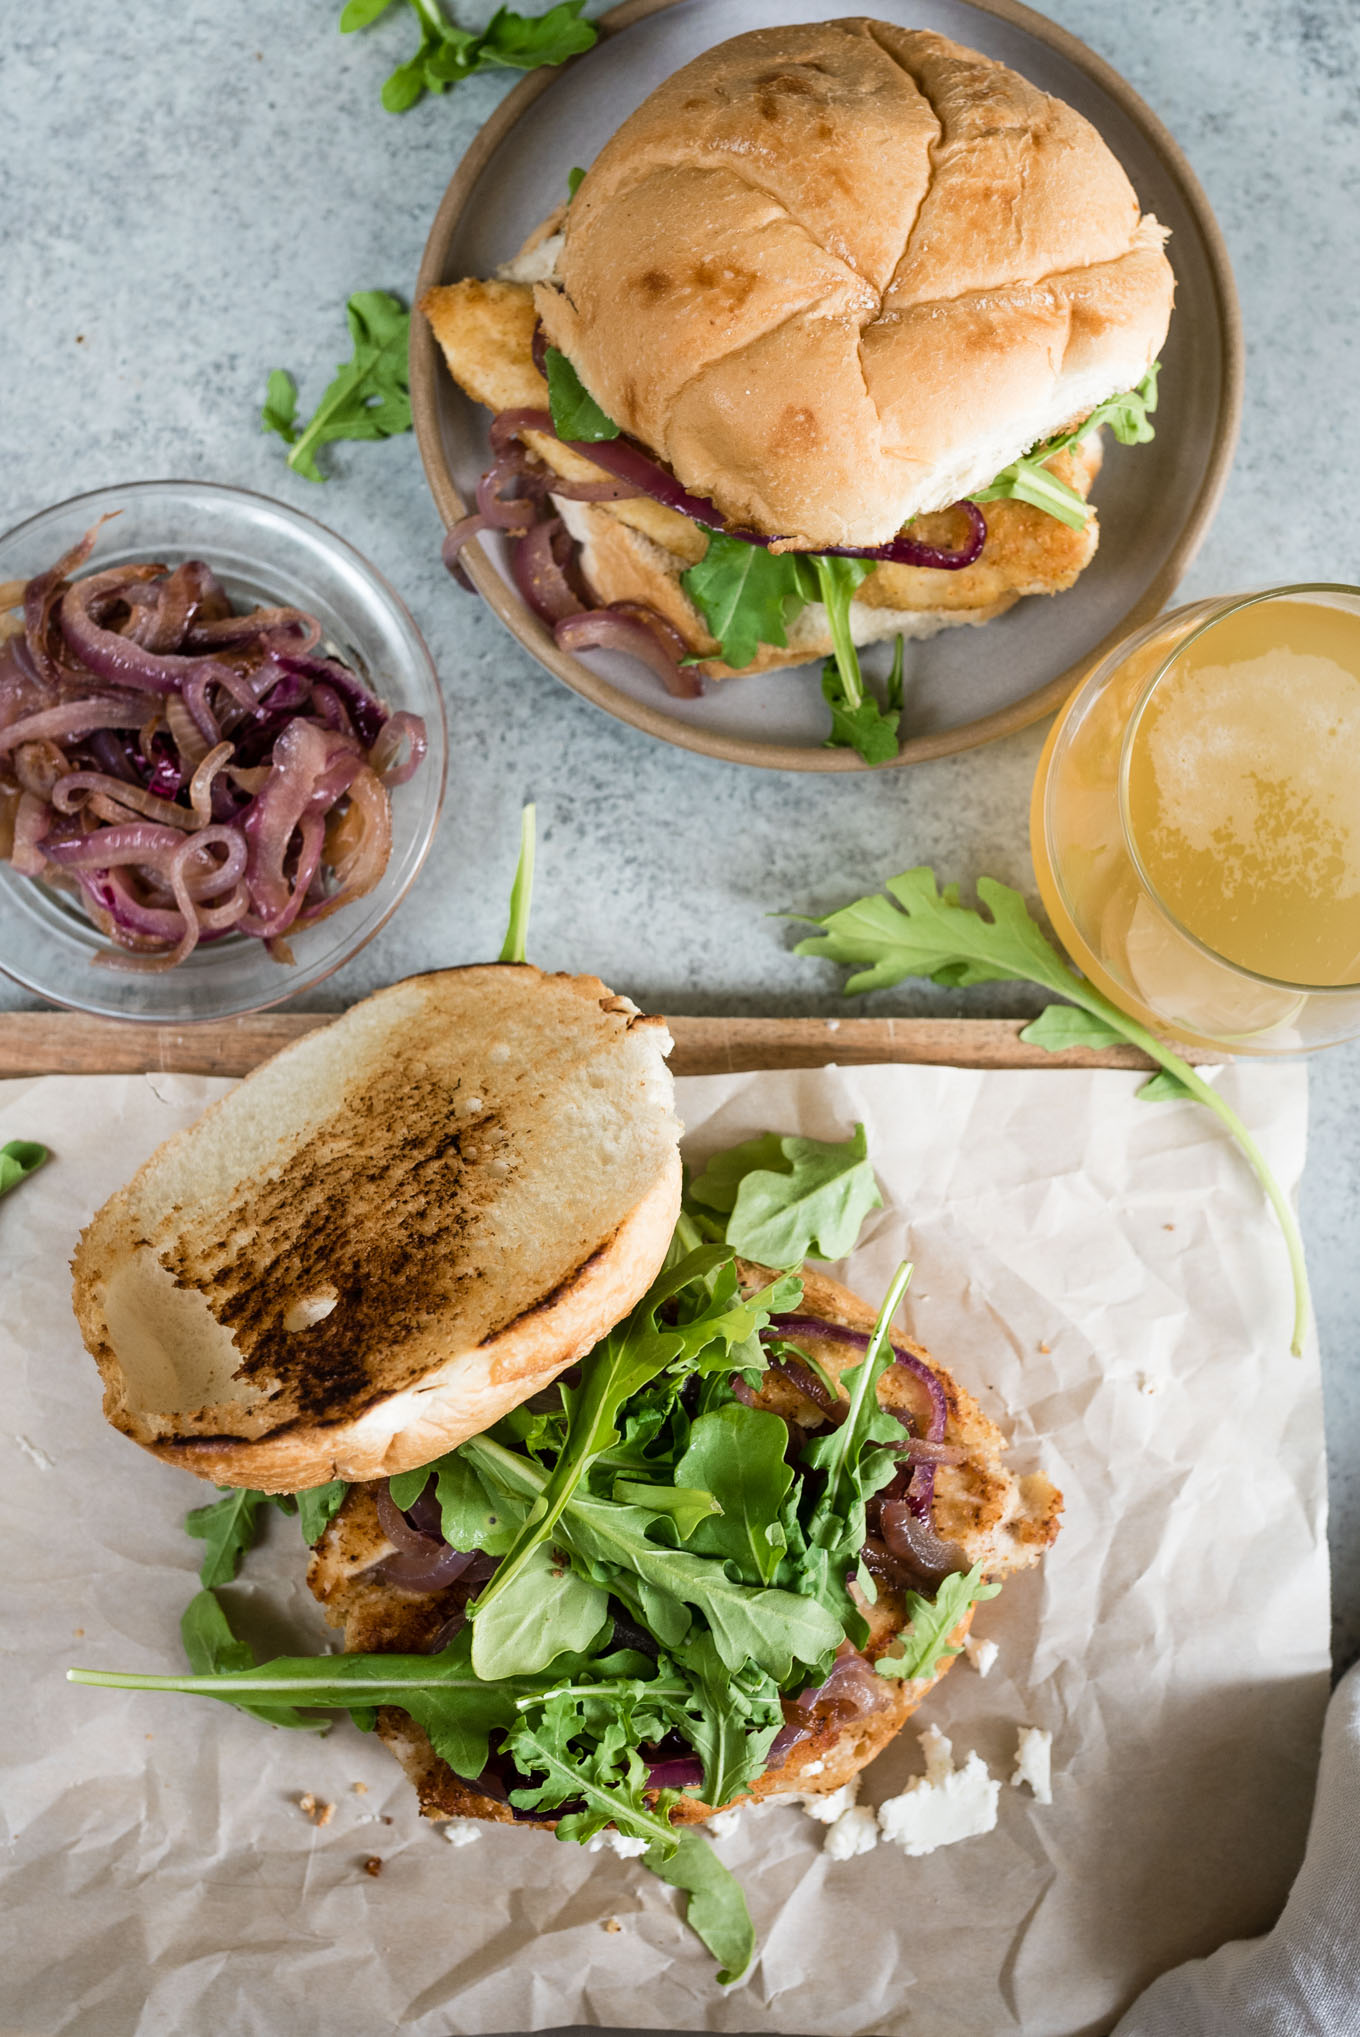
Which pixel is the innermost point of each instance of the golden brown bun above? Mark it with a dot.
(394, 1231)
(637, 549)
(1000, 1521)
(839, 274)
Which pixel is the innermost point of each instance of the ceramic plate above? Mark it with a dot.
(967, 685)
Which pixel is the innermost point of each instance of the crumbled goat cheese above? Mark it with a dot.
(982, 1654)
(1034, 1763)
(827, 1807)
(462, 1831)
(535, 265)
(724, 1823)
(625, 1844)
(854, 1831)
(943, 1805)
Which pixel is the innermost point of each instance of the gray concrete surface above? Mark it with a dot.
(191, 193)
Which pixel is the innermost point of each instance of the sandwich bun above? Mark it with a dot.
(390, 1234)
(841, 274)
(999, 1520)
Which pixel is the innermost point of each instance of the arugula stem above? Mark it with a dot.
(1203, 1092)
(837, 595)
(521, 891)
(866, 1383)
(347, 1691)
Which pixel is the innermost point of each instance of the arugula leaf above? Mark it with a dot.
(1060, 1026)
(923, 931)
(575, 413)
(738, 1454)
(211, 1648)
(837, 1451)
(521, 891)
(448, 54)
(867, 728)
(772, 1628)
(791, 1199)
(716, 1911)
(1163, 1087)
(469, 1516)
(730, 1717)
(550, 1610)
(228, 1526)
(440, 1692)
(18, 1159)
(746, 595)
(369, 397)
(627, 1360)
(577, 1758)
(1028, 479)
(925, 1639)
(317, 1507)
(685, 1505)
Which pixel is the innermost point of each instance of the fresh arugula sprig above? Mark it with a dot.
(370, 396)
(1028, 479)
(920, 930)
(576, 1733)
(448, 54)
(930, 1623)
(576, 415)
(522, 890)
(20, 1158)
(790, 1199)
(231, 1525)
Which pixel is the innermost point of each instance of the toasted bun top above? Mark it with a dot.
(843, 273)
(390, 1234)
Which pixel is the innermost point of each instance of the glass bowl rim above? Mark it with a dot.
(306, 979)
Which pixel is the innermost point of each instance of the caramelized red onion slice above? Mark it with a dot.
(112, 657)
(41, 596)
(455, 538)
(625, 459)
(431, 1571)
(814, 1326)
(678, 1771)
(743, 1392)
(630, 626)
(854, 1690)
(914, 1540)
(539, 564)
(801, 1377)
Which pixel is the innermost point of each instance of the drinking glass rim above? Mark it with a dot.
(1230, 605)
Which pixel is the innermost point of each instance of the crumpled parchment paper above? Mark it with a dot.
(1102, 1273)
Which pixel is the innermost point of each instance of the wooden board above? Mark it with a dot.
(66, 1043)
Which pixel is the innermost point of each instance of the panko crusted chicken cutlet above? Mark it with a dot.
(969, 1511)
(840, 295)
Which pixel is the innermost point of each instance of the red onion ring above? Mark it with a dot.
(540, 572)
(432, 1571)
(802, 1379)
(814, 1326)
(625, 459)
(631, 627)
(915, 1541)
(411, 1541)
(743, 1392)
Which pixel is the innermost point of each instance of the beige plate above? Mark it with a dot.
(968, 685)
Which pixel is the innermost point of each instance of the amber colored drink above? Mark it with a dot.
(1196, 822)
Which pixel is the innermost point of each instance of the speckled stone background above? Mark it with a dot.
(189, 193)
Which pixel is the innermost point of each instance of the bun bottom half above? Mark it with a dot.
(1001, 1521)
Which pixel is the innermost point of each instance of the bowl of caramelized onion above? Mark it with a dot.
(222, 752)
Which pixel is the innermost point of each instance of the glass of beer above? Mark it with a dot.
(1196, 822)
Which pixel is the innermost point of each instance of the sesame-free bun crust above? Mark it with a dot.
(840, 274)
(390, 1234)
(1001, 1521)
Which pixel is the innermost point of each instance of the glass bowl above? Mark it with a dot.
(264, 554)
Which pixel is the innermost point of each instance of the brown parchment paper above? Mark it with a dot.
(1101, 1272)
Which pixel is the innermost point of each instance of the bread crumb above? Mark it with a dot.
(1168, 1227)
(314, 1808)
(1045, 1348)
(612, 1924)
(373, 1866)
(79, 1633)
(360, 1788)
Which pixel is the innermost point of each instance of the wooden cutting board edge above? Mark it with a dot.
(69, 1043)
